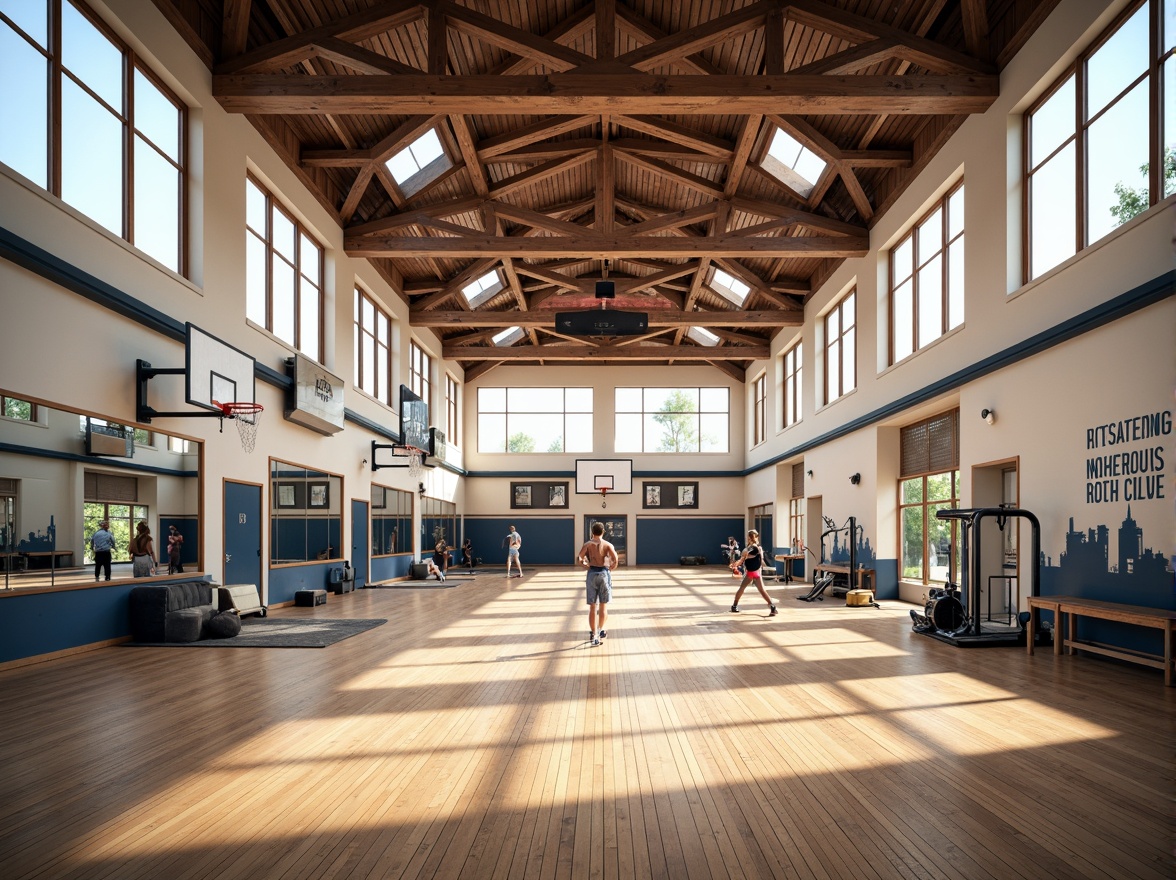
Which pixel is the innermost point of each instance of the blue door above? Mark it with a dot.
(243, 535)
(359, 541)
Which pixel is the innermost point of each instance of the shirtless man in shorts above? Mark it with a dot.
(600, 557)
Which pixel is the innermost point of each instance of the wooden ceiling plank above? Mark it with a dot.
(539, 220)
(357, 58)
(606, 189)
(606, 29)
(774, 41)
(864, 55)
(482, 27)
(744, 143)
(642, 28)
(702, 36)
(288, 50)
(583, 351)
(676, 175)
(463, 134)
(776, 211)
(539, 172)
(529, 134)
(606, 247)
(674, 220)
(878, 158)
(679, 134)
(437, 50)
(234, 27)
(623, 94)
(334, 158)
(355, 194)
(663, 318)
(858, 29)
(975, 20)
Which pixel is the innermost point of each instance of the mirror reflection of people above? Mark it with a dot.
(143, 560)
(731, 549)
(175, 547)
(467, 553)
(441, 557)
(102, 543)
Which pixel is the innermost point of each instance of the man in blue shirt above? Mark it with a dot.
(102, 543)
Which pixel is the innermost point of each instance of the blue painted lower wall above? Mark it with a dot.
(665, 540)
(42, 623)
(285, 582)
(546, 540)
(385, 568)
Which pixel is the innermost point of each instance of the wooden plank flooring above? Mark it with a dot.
(477, 734)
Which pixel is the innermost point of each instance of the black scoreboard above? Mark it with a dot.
(602, 322)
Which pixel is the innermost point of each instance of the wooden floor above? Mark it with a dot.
(477, 734)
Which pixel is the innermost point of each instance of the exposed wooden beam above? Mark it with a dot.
(604, 247)
(473, 371)
(358, 58)
(736, 372)
(540, 172)
(474, 24)
(595, 353)
(657, 318)
(702, 36)
(352, 28)
(975, 18)
(858, 57)
(626, 94)
(675, 133)
(234, 27)
(469, 154)
(674, 175)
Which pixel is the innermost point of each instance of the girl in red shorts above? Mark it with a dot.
(752, 561)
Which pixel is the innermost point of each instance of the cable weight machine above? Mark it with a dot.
(953, 612)
(825, 580)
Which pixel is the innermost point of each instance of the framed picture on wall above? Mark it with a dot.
(653, 495)
(318, 495)
(522, 496)
(686, 496)
(286, 495)
(557, 496)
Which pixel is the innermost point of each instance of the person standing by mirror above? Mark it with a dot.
(102, 544)
(143, 561)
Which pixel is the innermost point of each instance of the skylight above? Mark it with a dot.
(727, 285)
(416, 156)
(509, 336)
(702, 336)
(794, 163)
(481, 289)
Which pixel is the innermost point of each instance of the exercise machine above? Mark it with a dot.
(952, 613)
(826, 580)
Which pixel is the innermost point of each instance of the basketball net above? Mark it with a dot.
(604, 498)
(247, 416)
(247, 428)
(416, 463)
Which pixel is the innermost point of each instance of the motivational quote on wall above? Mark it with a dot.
(1126, 463)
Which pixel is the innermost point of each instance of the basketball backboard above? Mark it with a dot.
(216, 371)
(614, 475)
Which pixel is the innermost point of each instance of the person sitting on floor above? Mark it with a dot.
(434, 569)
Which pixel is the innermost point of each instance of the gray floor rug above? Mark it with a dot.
(274, 633)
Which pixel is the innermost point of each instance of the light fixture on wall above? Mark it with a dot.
(363, 464)
(989, 415)
(421, 489)
(855, 478)
(809, 472)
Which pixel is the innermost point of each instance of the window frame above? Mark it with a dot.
(507, 413)
(790, 392)
(839, 309)
(420, 371)
(1078, 136)
(620, 410)
(451, 411)
(57, 73)
(272, 204)
(946, 241)
(380, 351)
(759, 409)
(6, 399)
(925, 503)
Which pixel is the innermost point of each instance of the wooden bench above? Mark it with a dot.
(1074, 607)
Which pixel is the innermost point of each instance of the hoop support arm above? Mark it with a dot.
(144, 372)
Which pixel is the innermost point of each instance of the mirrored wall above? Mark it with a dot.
(391, 521)
(64, 473)
(306, 520)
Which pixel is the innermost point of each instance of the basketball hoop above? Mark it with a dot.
(416, 460)
(247, 415)
(603, 498)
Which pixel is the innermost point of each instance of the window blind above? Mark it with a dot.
(931, 446)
